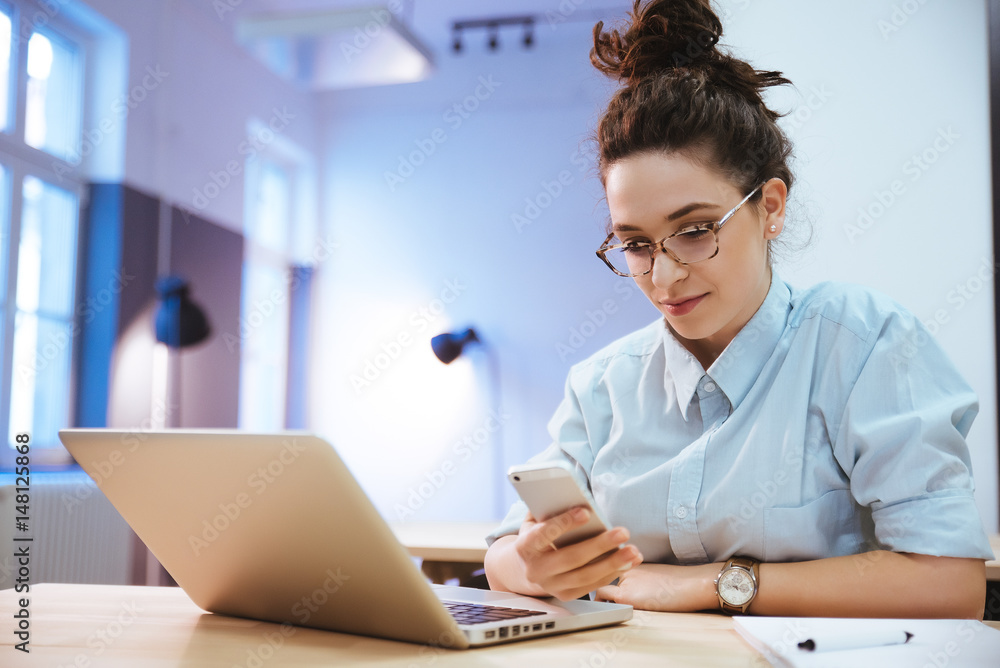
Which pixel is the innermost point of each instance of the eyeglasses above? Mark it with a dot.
(687, 246)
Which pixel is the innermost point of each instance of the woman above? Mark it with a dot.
(764, 449)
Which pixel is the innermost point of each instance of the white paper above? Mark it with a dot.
(936, 643)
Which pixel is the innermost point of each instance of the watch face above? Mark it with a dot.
(736, 586)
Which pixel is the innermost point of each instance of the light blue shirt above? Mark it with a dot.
(832, 424)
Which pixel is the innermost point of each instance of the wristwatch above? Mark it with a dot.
(737, 584)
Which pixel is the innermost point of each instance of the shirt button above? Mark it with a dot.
(710, 387)
(681, 512)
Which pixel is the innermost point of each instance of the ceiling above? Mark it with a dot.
(431, 20)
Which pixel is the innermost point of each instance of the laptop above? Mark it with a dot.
(274, 527)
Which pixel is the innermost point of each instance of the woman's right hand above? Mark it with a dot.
(531, 564)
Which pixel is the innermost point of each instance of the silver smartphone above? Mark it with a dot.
(550, 489)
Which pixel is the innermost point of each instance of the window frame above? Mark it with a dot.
(63, 33)
(256, 254)
(43, 454)
(299, 167)
(21, 161)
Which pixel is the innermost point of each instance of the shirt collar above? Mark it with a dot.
(684, 371)
(740, 363)
(737, 368)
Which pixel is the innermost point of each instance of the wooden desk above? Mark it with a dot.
(448, 549)
(103, 625)
(993, 567)
(457, 549)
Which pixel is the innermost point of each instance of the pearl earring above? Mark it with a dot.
(774, 228)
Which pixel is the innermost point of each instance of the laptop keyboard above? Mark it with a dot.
(474, 613)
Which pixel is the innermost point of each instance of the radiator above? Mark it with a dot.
(78, 535)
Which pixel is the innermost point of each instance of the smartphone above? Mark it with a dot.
(550, 489)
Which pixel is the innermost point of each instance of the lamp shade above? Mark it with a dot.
(448, 346)
(179, 321)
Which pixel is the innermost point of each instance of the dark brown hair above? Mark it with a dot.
(682, 94)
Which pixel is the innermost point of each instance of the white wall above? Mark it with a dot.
(527, 290)
(451, 221)
(906, 106)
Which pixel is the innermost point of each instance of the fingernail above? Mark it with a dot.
(579, 513)
(621, 535)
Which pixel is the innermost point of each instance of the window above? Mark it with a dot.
(5, 35)
(43, 311)
(264, 310)
(42, 80)
(52, 104)
(278, 180)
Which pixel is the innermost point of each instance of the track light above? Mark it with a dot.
(492, 27)
(494, 37)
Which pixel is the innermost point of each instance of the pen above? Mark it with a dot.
(834, 641)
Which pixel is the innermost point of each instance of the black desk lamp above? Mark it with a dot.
(448, 346)
(179, 321)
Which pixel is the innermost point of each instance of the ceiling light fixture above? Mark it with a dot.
(336, 49)
(492, 27)
(494, 41)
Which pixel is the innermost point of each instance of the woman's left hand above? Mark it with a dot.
(665, 588)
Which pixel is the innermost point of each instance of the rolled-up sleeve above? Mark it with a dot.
(901, 440)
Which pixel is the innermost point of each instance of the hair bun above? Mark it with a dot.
(678, 36)
(664, 35)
